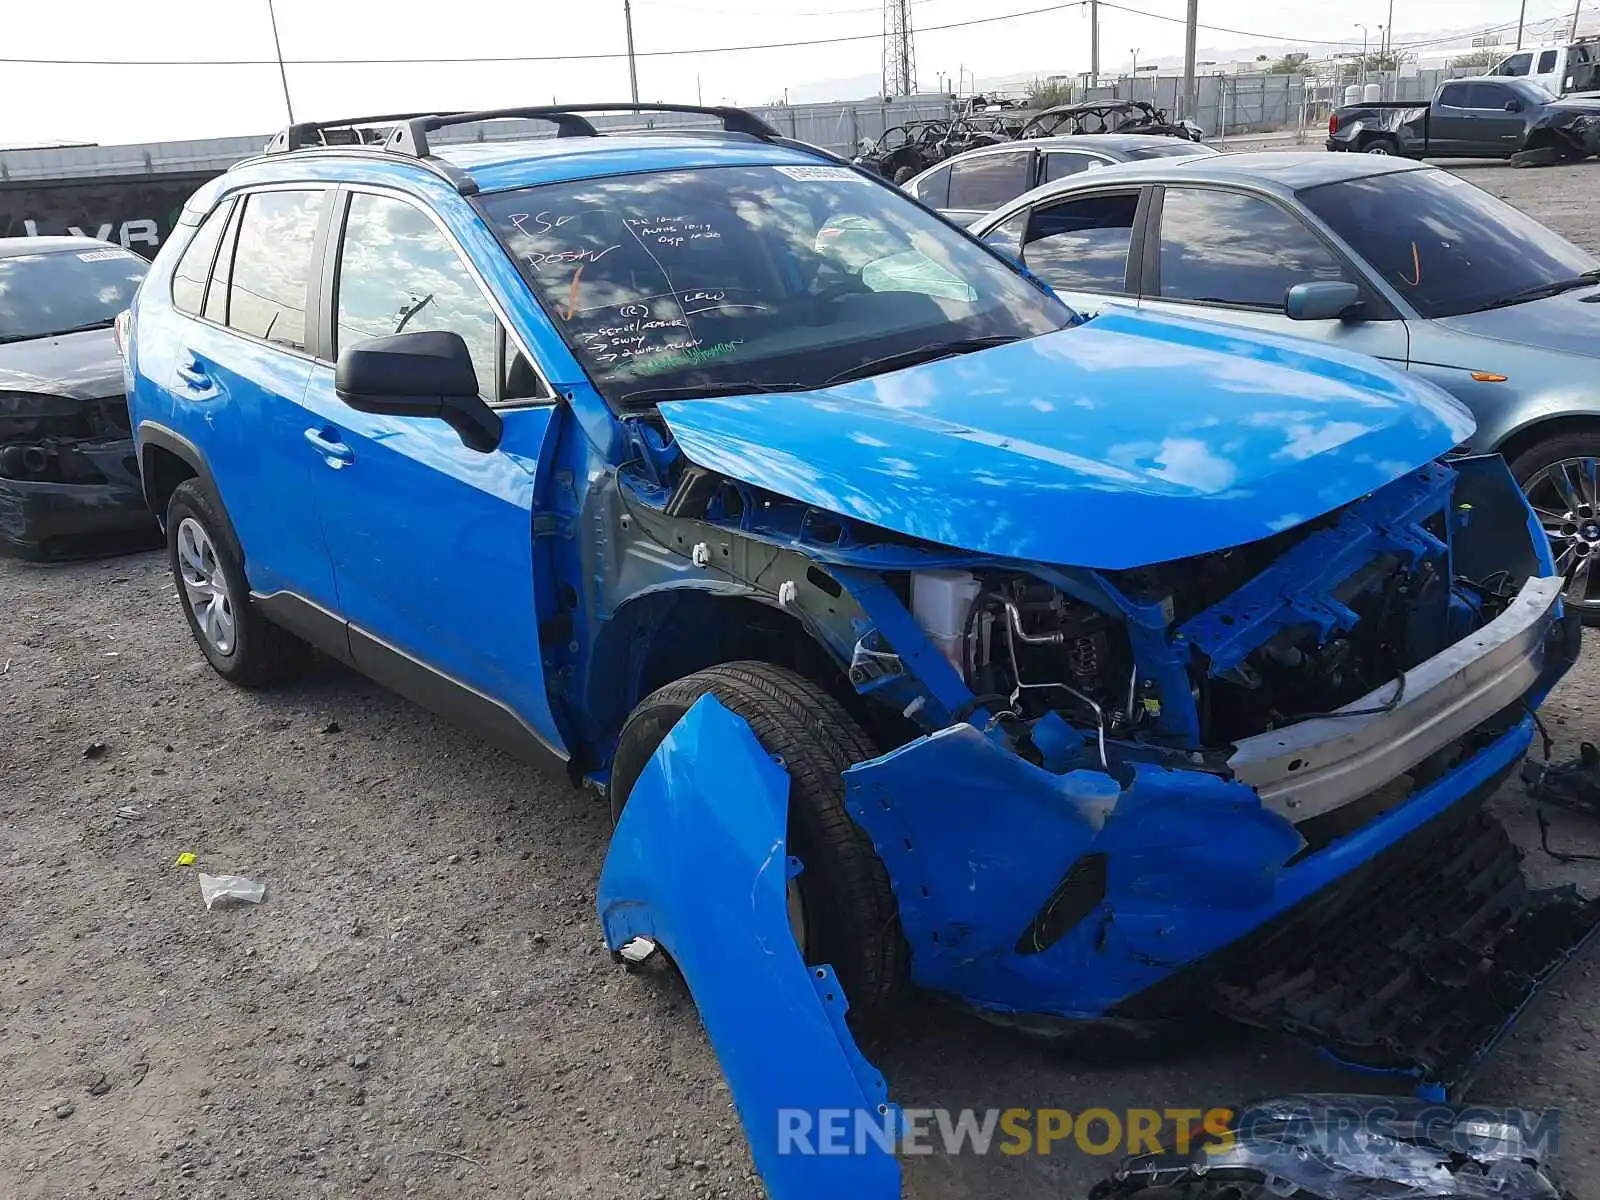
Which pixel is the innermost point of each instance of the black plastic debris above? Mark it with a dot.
(1339, 1147)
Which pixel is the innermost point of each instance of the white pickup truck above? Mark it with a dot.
(1565, 68)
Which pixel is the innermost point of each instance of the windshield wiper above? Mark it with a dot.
(642, 397)
(1541, 291)
(919, 354)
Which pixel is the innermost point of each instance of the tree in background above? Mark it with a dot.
(1289, 64)
(1485, 56)
(1048, 93)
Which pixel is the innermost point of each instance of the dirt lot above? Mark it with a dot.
(421, 1006)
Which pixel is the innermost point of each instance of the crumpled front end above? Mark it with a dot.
(69, 478)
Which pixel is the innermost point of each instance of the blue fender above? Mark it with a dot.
(698, 864)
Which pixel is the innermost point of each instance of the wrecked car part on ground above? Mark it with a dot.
(69, 481)
(1108, 116)
(1337, 1147)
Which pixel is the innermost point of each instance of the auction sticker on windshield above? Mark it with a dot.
(824, 174)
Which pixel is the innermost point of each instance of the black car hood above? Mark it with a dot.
(81, 366)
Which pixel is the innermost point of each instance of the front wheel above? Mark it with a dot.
(841, 909)
(1561, 479)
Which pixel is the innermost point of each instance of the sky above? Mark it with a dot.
(128, 103)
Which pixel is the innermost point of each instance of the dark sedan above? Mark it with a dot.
(69, 482)
(980, 181)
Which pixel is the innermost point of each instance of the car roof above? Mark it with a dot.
(1111, 142)
(526, 162)
(1274, 171)
(16, 247)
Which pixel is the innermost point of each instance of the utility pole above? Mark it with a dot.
(1191, 34)
(633, 66)
(283, 75)
(1388, 33)
(1576, 9)
(1522, 17)
(1094, 42)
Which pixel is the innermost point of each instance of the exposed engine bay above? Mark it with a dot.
(1231, 644)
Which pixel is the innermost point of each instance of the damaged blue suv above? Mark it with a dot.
(922, 634)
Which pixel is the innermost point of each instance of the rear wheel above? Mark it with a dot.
(1382, 144)
(1561, 478)
(239, 643)
(841, 908)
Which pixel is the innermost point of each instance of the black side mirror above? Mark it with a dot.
(423, 374)
(1513, 105)
(1323, 300)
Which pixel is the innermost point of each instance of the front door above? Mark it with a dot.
(433, 543)
(1232, 257)
(1496, 129)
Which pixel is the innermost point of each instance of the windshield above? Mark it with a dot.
(1532, 89)
(1446, 246)
(1178, 149)
(61, 290)
(771, 277)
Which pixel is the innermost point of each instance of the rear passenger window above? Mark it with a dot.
(1547, 62)
(272, 266)
(194, 268)
(934, 191)
(399, 274)
(986, 181)
(1453, 96)
(1082, 245)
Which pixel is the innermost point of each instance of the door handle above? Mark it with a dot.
(193, 374)
(334, 452)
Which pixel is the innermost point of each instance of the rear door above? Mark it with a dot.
(1233, 256)
(983, 182)
(1450, 121)
(433, 543)
(242, 368)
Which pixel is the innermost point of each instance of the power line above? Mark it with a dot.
(516, 58)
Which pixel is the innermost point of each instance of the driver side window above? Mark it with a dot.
(1226, 248)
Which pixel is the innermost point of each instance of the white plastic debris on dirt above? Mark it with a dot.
(230, 888)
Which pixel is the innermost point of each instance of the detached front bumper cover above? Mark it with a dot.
(698, 865)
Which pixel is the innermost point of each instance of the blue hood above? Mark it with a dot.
(1129, 440)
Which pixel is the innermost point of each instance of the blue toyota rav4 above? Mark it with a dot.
(921, 632)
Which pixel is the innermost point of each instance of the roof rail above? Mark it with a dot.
(410, 135)
(314, 133)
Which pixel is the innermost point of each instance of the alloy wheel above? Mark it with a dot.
(1566, 498)
(205, 586)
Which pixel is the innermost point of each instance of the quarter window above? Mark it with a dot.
(1225, 248)
(189, 280)
(1082, 245)
(986, 181)
(399, 274)
(272, 266)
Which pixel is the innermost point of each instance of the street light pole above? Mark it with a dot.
(1522, 17)
(1191, 35)
(1361, 76)
(633, 66)
(283, 75)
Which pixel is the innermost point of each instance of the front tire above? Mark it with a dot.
(240, 644)
(844, 913)
(1560, 475)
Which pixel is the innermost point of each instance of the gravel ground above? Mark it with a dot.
(421, 1005)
